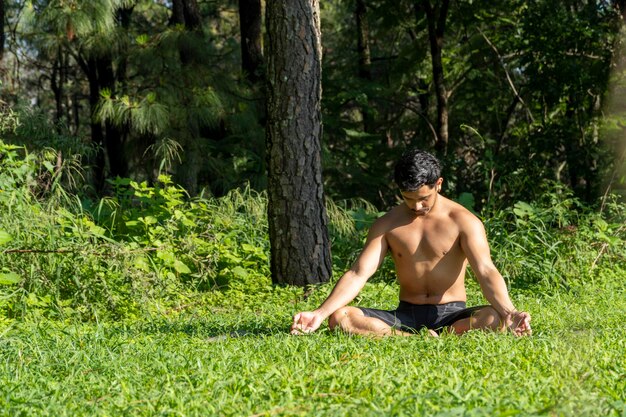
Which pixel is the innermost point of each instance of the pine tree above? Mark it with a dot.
(300, 248)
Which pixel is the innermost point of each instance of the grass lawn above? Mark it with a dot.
(182, 364)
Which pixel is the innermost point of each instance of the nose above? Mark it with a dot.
(417, 206)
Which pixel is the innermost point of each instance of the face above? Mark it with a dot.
(422, 200)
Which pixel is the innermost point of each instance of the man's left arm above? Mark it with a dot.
(476, 247)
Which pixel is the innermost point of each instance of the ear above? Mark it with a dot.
(438, 184)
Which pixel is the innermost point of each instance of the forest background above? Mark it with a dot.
(510, 91)
(134, 232)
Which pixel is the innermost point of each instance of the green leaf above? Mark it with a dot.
(239, 272)
(148, 220)
(142, 264)
(523, 209)
(351, 133)
(48, 166)
(248, 248)
(9, 278)
(167, 256)
(232, 258)
(5, 237)
(97, 230)
(181, 268)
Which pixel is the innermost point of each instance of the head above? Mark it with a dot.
(418, 175)
(416, 168)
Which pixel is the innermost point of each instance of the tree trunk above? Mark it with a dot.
(108, 139)
(365, 60)
(193, 18)
(251, 39)
(363, 36)
(57, 86)
(178, 13)
(436, 27)
(97, 133)
(187, 13)
(2, 35)
(300, 249)
(114, 135)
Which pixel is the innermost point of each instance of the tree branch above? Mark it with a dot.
(508, 76)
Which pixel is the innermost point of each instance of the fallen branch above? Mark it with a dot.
(73, 251)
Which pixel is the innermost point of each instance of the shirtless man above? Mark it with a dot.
(431, 240)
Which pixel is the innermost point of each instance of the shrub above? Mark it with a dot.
(556, 241)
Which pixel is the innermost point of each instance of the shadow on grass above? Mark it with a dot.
(215, 329)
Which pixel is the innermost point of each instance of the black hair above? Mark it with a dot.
(416, 168)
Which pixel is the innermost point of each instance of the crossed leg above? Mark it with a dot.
(353, 321)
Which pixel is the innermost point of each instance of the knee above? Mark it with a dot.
(336, 319)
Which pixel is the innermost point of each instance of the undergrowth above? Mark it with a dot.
(149, 247)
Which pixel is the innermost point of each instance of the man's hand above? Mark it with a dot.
(306, 322)
(519, 323)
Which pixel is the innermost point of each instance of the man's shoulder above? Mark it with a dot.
(389, 216)
(461, 215)
(388, 220)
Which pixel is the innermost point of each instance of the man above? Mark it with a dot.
(431, 240)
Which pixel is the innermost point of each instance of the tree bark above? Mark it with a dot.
(300, 248)
(178, 13)
(97, 132)
(250, 24)
(193, 18)
(114, 135)
(57, 84)
(363, 36)
(187, 13)
(2, 35)
(436, 28)
(365, 59)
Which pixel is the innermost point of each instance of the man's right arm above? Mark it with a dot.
(349, 285)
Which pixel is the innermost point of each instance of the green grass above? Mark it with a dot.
(180, 363)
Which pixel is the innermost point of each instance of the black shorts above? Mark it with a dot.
(412, 317)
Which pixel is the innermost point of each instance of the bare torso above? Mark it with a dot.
(427, 252)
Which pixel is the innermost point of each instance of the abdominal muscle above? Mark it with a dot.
(431, 284)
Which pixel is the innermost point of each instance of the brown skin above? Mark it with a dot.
(431, 240)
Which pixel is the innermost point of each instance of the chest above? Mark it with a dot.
(424, 241)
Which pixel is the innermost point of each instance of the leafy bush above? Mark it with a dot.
(203, 242)
(145, 247)
(556, 242)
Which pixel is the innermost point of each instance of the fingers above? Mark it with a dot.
(523, 325)
(296, 320)
(300, 330)
(302, 324)
(296, 326)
